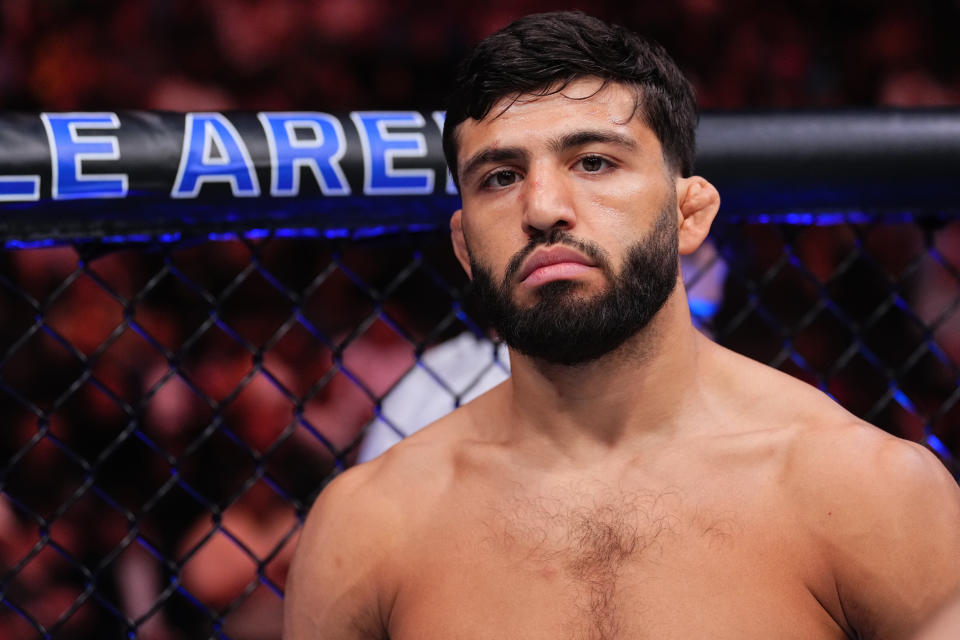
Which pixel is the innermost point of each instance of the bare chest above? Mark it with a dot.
(605, 565)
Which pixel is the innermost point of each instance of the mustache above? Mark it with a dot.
(557, 235)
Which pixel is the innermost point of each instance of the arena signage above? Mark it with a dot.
(123, 173)
(252, 155)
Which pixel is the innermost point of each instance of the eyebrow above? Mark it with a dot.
(580, 138)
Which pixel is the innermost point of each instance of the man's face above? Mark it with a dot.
(570, 220)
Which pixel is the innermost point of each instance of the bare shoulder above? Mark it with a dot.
(885, 513)
(846, 474)
(337, 581)
(347, 565)
(846, 462)
(344, 575)
(826, 442)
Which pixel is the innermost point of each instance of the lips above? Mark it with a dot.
(556, 255)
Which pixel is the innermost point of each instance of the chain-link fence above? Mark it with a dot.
(170, 410)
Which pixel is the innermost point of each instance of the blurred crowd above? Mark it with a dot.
(157, 457)
(346, 54)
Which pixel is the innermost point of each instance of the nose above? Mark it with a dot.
(548, 201)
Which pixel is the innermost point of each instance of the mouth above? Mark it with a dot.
(555, 263)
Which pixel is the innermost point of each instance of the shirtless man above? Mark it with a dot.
(631, 479)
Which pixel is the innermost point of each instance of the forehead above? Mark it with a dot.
(529, 120)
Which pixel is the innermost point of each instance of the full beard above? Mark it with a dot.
(567, 328)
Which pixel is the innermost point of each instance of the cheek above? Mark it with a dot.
(491, 245)
(631, 209)
(634, 195)
(615, 223)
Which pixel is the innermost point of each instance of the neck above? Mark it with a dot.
(617, 402)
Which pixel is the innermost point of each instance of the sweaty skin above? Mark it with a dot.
(670, 489)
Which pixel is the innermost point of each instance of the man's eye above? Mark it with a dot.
(502, 178)
(592, 164)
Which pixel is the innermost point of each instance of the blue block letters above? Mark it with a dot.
(381, 147)
(69, 150)
(320, 153)
(204, 134)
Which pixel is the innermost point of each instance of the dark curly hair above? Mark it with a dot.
(542, 53)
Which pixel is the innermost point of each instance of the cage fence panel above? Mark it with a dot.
(172, 409)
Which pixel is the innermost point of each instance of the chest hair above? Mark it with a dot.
(589, 538)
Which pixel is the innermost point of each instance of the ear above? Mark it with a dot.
(460, 242)
(698, 202)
